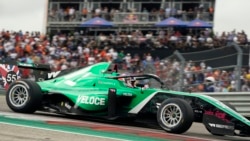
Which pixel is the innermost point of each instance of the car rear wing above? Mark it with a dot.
(33, 66)
(12, 70)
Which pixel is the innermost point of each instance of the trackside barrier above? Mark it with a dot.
(240, 100)
(2, 91)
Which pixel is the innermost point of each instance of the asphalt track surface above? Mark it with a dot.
(50, 127)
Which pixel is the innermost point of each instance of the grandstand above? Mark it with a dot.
(65, 15)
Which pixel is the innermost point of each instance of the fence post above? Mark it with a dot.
(239, 65)
(181, 76)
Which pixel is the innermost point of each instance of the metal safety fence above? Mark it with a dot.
(240, 100)
(225, 66)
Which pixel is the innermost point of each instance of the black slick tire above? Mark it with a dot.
(24, 96)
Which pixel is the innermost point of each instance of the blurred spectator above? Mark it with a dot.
(246, 84)
(64, 51)
(84, 14)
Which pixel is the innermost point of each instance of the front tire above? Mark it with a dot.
(175, 115)
(24, 96)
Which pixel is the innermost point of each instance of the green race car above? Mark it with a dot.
(100, 91)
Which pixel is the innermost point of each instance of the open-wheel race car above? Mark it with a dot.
(100, 91)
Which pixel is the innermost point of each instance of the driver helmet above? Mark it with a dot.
(132, 82)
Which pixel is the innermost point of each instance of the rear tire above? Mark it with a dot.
(24, 96)
(175, 115)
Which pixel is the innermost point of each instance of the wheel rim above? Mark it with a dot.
(18, 95)
(171, 115)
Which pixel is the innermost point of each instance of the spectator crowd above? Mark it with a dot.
(62, 51)
(74, 13)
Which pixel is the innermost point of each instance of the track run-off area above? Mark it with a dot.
(42, 126)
